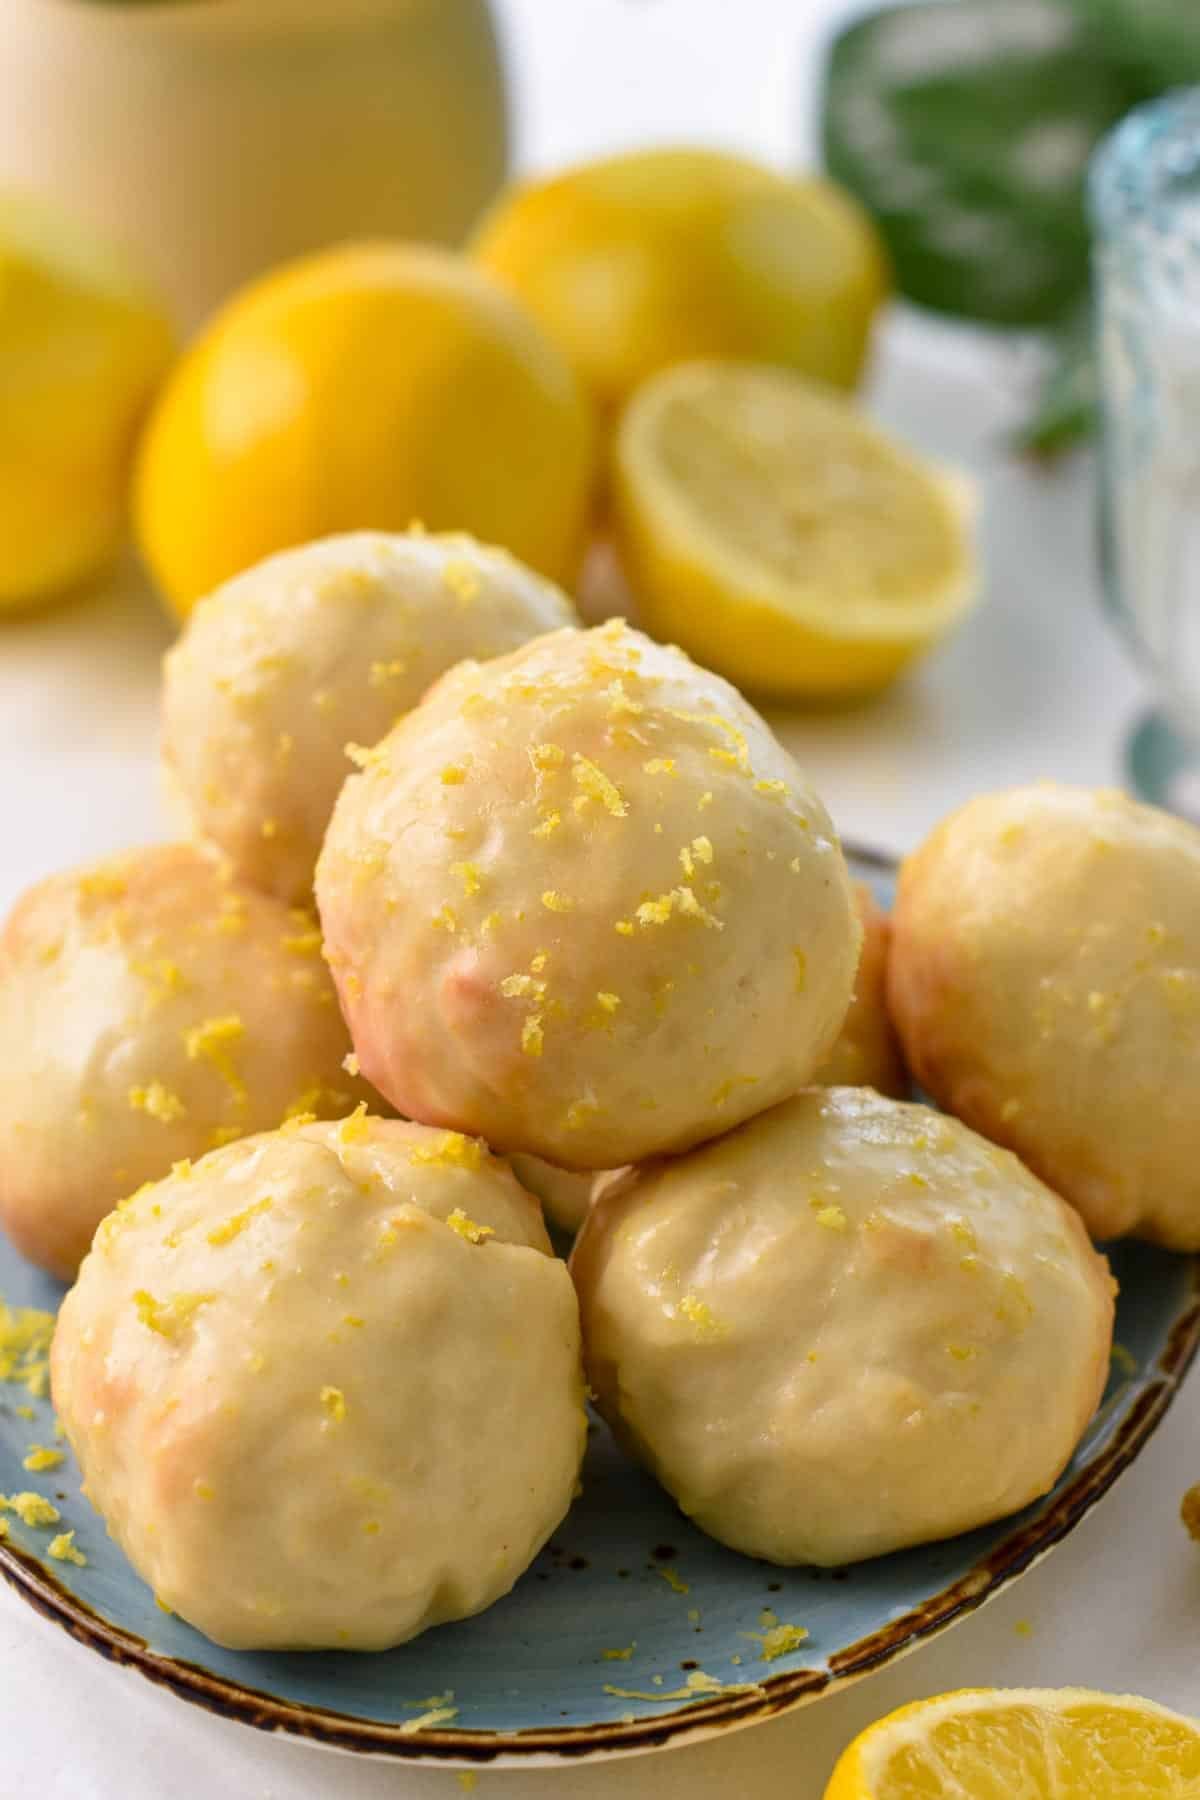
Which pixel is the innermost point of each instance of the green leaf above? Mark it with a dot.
(965, 127)
(1158, 39)
(1067, 405)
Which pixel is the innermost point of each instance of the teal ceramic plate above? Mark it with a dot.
(536, 1679)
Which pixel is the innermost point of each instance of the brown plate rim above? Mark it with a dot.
(1007, 1561)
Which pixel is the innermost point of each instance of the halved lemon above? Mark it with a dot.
(767, 526)
(1023, 1744)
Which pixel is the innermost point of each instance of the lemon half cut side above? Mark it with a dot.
(783, 539)
(1023, 1744)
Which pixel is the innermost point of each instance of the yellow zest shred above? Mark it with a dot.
(730, 1086)
(169, 1317)
(682, 900)
(532, 1035)
(213, 1040)
(700, 1314)
(356, 1127)
(232, 916)
(237, 1222)
(102, 884)
(831, 1218)
(555, 902)
(620, 1655)
(659, 765)
(801, 961)
(548, 826)
(608, 1002)
(162, 976)
(624, 927)
(462, 578)
(366, 756)
(40, 1458)
(436, 1715)
(1189, 1511)
(453, 775)
(547, 756)
(519, 987)
(673, 1579)
(350, 1063)
(334, 1402)
(697, 1684)
(594, 784)
(303, 943)
(619, 702)
(31, 1509)
(62, 1549)
(467, 1228)
(468, 874)
(777, 1640)
(452, 1151)
(158, 1101)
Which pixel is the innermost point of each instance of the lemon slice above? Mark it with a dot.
(767, 526)
(1023, 1744)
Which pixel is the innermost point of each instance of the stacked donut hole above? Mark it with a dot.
(582, 915)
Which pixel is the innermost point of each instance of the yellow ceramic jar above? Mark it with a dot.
(216, 138)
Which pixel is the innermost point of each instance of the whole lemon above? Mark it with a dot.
(82, 345)
(365, 387)
(660, 256)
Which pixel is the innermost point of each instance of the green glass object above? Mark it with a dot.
(966, 129)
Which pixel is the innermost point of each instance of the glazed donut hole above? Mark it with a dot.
(324, 1384)
(316, 652)
(582, 903)
(1045, 981)
(866, 1052)
(847, 1327)
(151, 1007)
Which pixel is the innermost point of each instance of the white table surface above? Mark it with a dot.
(1034, 685)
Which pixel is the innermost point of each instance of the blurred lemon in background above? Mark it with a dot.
(369, 385)
(776, 534)
(1023, 1744)
(82, 345)
(651, 258)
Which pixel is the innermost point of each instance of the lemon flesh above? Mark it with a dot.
(364, 388)
(82, 346)
(1023, 1744)
(766, 526)
(635, 262)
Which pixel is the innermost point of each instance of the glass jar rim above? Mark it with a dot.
(1133, 164)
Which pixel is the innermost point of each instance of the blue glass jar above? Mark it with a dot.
(1144, 200)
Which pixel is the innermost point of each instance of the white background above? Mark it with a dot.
(1034, 685)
